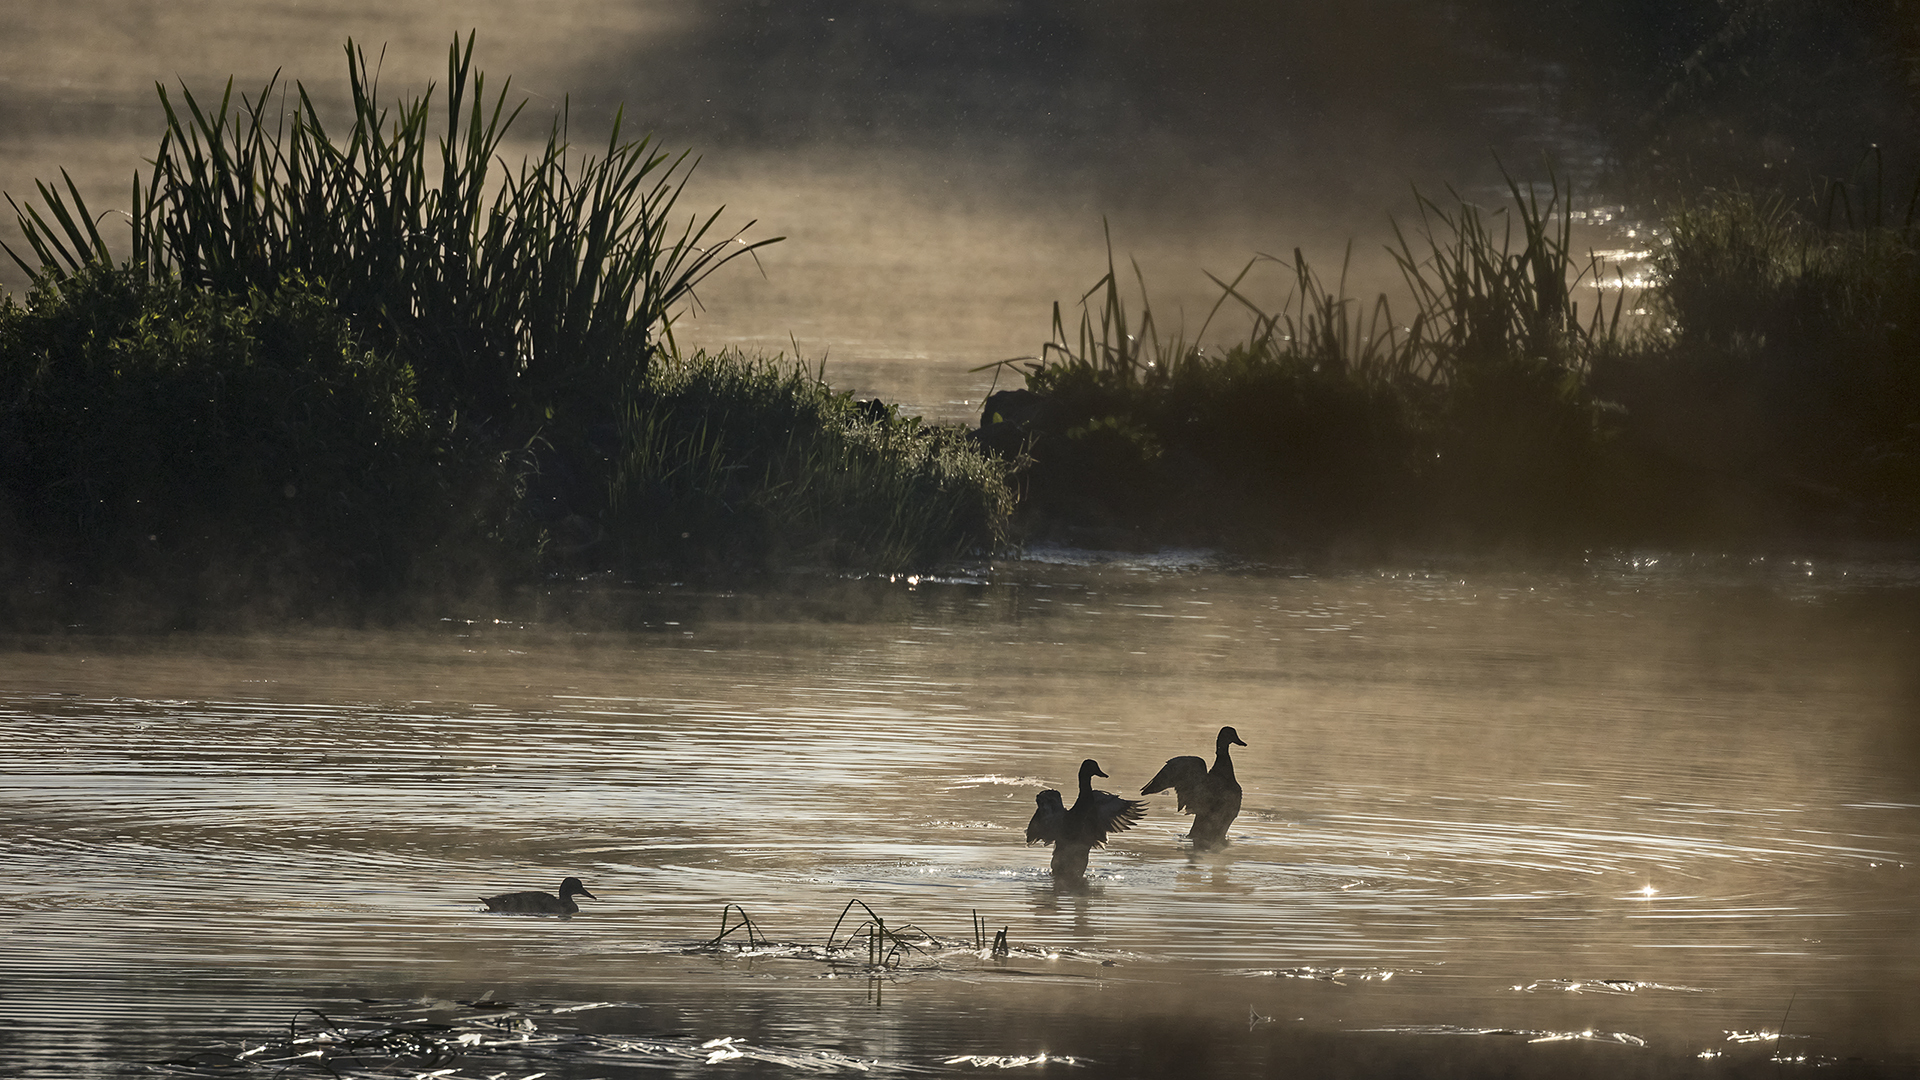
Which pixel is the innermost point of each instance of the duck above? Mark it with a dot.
(540, 903)
(1075, 831)
(1212, 796)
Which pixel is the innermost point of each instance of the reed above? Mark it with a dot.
(883, 945)
(1479, 304)
(1333, 416)
(727, 927)
(1521, 436)
(994, 945)
(514, 295)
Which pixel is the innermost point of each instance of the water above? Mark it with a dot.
(1659, 805)
(1635, 813)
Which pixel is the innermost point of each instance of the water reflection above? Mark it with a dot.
(1652, 804)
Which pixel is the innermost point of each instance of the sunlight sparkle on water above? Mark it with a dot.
(1430, 816)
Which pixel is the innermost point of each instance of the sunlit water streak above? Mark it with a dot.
(1462, 792)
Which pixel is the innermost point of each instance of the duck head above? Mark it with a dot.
(1088, 770)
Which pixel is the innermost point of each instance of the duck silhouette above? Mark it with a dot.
(1212, 796)
(540, 903)
(1075, 831)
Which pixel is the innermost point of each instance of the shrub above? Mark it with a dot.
(727, 458)
(148, 429)
(1799, 345)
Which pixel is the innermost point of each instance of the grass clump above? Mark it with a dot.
(1331, 419)
(754, 461)
(1773, 390)
(531, 302)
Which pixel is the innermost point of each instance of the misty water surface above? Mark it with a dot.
(1634, 818)
(1631, 819)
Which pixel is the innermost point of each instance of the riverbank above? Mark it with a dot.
(319, 386)
(1761, 389)
(322, 389)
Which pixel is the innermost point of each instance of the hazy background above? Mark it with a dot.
(942, 168)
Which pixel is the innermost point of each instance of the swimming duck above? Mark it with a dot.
(1212, 796)
(1075, 831)
(540, 903)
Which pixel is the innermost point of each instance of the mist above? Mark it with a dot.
(944, 172)
(1569, 809)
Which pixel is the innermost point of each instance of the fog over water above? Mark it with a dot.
(943, 170)
(1633, 816)
(1634, 819)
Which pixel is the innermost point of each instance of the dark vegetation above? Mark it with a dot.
(1333, 420)
(1769, 389)
(168, 443)
(751, 460)
(339, 370)
(1784, 389)
(339, 374)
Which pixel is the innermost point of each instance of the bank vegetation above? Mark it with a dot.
(341, 374)
(1762, 388)
(340, 368)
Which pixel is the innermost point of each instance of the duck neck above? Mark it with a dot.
(1222, 761)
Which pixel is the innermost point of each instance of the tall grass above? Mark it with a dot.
(1479, 303)
(734, 459)
(378, 360)
(1497, 324)
(514, 294)
(1469, 407)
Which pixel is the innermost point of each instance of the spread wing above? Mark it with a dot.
(1185, 775)
(1117, 814)
(1099, 813)
(1049, 817)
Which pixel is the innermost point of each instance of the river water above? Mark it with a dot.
(1634, 817)
(1638, 817)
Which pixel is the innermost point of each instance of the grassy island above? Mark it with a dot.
(340, 369)
(1765, 388)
